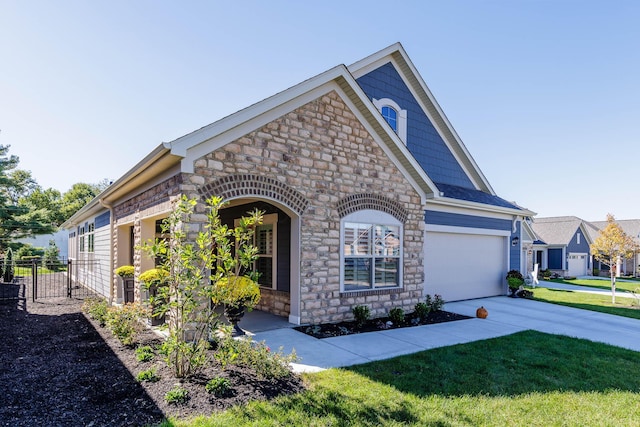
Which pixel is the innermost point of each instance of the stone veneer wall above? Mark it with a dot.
(324, 153)
(152, 202)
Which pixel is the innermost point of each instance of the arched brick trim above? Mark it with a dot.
(358, 202)
(234, 186)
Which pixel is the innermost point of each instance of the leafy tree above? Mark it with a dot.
(16, 219)
(79, 195)
(49, 200)
(199, 270)
(612, 245)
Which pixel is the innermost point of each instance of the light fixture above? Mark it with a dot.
(515, 241)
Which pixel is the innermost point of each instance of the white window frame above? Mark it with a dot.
(373, 217)
(401, 119)
(269, 219)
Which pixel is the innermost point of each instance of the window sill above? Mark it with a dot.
(383, 291)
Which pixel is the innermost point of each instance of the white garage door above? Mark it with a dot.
(464, 266)
(577, 265)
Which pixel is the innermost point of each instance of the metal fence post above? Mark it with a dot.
(69, 268)
(34, 280)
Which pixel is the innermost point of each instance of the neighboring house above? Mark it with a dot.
(563, 245)
(370, 197)
(631, 228)
(60, 238)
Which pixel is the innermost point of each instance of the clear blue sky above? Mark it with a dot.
(545, 94)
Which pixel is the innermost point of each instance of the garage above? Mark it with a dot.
(462, 266)
(577, 265)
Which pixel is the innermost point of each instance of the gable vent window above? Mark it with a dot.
(394, 115)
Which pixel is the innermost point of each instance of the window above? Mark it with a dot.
(578, 238)
(391, 116)
(91, 237)
(265, 240)
(371, 251)
(394, 115)
(81, 239)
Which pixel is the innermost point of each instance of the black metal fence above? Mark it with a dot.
(38, 278)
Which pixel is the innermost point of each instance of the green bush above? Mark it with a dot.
(125, 322)
(144, 353)
(218, 386)
(148, 375)
(28, 252)
(396, 315)
(255, 355)
(361, 314)
(176, 395)
(435, 302)
(422, 310)
(97, 309)
(51, 257)
(8, 267)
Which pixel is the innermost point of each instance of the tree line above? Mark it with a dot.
(27, 209)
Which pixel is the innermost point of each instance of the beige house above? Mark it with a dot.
(364, 184)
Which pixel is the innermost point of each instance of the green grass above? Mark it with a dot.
(623, 307)
(26, 271)
(525, 379)
(601, 284)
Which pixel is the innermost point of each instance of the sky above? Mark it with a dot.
(545, 94)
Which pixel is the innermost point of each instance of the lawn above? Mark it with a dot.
(621, 285)
(624, 306)
(529, 378)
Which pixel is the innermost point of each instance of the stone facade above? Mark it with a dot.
(323, 164)
(322, 153)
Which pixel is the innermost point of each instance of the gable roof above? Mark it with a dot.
(182, 152)
(482, 193)
(559, 230)
(631, 228)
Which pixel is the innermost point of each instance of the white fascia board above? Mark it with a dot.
(446, 201)
(465, 230)
(181, 145)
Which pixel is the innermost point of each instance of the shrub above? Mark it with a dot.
(28, 252)
(144, 353)
(435, 303)
(184, 357)
(51, 257)
(396, 315)
(422, 310)
(97, 309)
(218, 386)
(515, 279)
(148, 375)
(125, 271)
(125, 322)
(255, 355)
(176, 395)
(361, 314)
(8, 267)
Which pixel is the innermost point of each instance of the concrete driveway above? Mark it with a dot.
(506, 316)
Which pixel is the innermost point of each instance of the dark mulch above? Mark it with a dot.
(328, 330)
(59, 368)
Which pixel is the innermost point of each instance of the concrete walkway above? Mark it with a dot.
(506, 316)
(587, 289)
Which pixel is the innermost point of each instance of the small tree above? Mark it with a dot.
(199, 270)
(8, 267)
(612, 245)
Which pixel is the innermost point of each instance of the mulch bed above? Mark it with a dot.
(329, 330)
(57, 367)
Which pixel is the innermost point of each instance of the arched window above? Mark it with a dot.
(371, 251)
(391, 116)
(394, 115)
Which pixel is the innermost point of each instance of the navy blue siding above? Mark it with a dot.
(423, 140)
(573, 246)
(555, 259)
(515, 252)
(461, 220)
(103, 220)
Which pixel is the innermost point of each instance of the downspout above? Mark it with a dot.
(111, 252)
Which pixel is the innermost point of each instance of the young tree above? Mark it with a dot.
(612, 245)
(199, 271)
